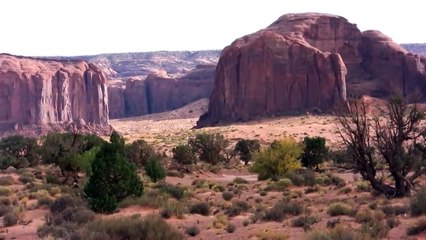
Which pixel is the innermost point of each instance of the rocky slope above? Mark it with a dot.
(45, 92)
(159, 92)
(305, 62)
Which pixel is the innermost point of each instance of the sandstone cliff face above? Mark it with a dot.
(51, 92)
(299, 63)
(159, 92)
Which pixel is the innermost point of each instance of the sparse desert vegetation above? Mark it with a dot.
(199, 184)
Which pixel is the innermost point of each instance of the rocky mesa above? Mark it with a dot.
(44, 92)
(308, 62)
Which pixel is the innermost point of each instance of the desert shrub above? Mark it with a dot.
(6, 180)
(337, 209)
(277, 160)
(52, 179)
(201, 208)
(296, 179)
(345, 190)
(64, 231)
(173, 190)
(395, 210)
(314, 152)
(154, 168)
(237, 208)
(373, 224)
(209, 147)
(5, 191)
(227, 196)
(152, 198)
(77, 215)
(337, 181)
(220, 221)
(363, 186)
(5, 201)
(337, 233)
(246, 223)
(416, 228)
(44, 201)
(174, 207)
(367, 215)
(304, 221)
(112, 178)
(183, 154)
(278, 212)
(5, 209)
(313, 189)
(138, 152)
(192, 231)
(339, 157)
(166, 213)
(240, 180)
(230, 228)
(26, 179)
(19, 152)
(10, 219)
(245, 149)
(150, 227)
(279, 186)
(418, 203)
(63, 202)
(218, 188)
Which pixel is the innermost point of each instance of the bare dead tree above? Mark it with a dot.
(393, 143)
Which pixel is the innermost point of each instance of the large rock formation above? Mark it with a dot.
(159, 92)
(44, 92)
(299, 63)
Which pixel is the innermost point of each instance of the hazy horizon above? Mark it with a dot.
(76, 28)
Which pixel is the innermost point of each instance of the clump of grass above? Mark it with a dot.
(363, 186)
(220, 221)
(337, 209)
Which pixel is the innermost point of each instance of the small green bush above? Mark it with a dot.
(245, 149)
(279, 159)
(218, 188)
(173, 190)
(166, 213)
(192, 231)
(10, 219)
(26, 179)
(337, 209)
(201, 208)
(227, 196)
(418, 203)
(314, 152)
(5, 209)
(209, 147)
(183, 154)
(154, 168)
(66, 230)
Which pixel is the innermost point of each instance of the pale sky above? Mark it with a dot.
(85, 27)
